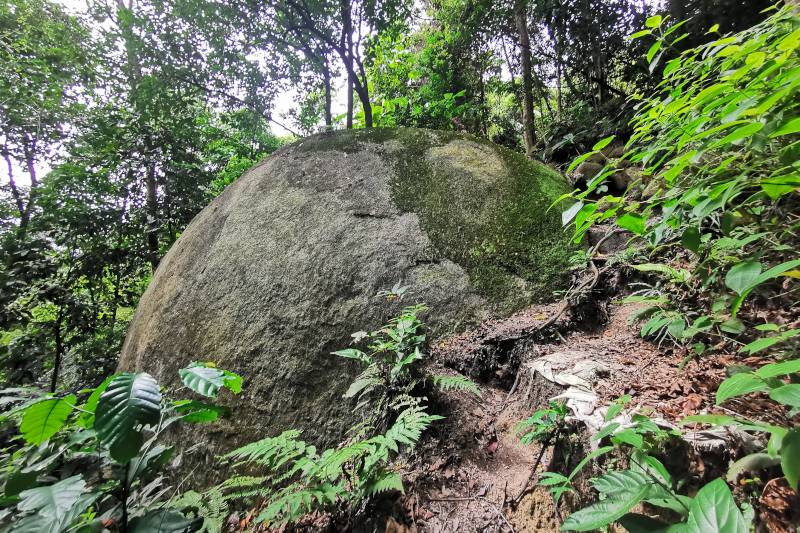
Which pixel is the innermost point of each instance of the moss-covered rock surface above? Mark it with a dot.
(280, 269)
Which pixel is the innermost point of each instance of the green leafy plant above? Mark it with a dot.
(717, 145)
(391, 367)
(294, 479)
(116, 431)
(646, 480)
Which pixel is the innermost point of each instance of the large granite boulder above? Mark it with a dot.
(279, 270)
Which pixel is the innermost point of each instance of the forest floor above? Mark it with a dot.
(474, 474)
(471, 472)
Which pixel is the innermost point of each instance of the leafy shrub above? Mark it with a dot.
(103, 453)
(718, 144)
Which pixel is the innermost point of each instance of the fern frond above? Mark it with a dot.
(211, 506)
(272, 452)
(246, 487)
(456, 383)
(408, 427)
(384, 482)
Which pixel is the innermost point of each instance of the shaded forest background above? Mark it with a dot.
(118, 125)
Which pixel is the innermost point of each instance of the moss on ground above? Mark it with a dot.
(498, 230)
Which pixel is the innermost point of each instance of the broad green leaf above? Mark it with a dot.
(779, 369)
(602, 144)
(767, 342)
(552, 478)
(654, 21)
(199, 412)
(733, 325)
(632, 222)
(568, 215)
(713, 509)
(203, 379)
(772, 273)
(653, 50)
(603, 513)
(628, 436)
(691, 239)
(787, 128)
(790, 457)
(787, 395)
(56, 506)
(130, 400)
(18, 481)
(716, 420)
(620, 481)
(162, 521)
(739, 134)
(739, 385)
(352, 353)
(44, 419)
(742, 276)
(640, 34)
(233, 382)
(578, 160)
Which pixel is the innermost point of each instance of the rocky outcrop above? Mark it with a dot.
(280, 269)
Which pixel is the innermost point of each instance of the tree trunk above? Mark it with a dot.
(59, 355)
(326, 80)
(528, 127)
(152, 215)
(134, 73)
(349, 89)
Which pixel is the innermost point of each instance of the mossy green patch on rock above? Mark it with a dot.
(484, 207)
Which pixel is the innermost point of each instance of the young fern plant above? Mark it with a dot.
(391, 370)
(295, 479)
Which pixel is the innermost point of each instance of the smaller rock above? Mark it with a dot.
(585, 172)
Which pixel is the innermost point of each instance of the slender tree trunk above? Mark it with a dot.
(326, 80)
(349, 90)
(134, 73)
(152, 215)
(559, 98)
(59, 355)
(528, 127)
(346, 45)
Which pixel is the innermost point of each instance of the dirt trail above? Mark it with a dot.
(474, 465)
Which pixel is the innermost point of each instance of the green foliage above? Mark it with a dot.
(299, 480)
(390, 364)
(129, 401)
(115, 431)
(645, 480)
(714, 141)
(45, 418)
(206, 379)
(542, 424)
(53, 507)
(295, 479)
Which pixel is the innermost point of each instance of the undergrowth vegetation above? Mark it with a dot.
(289, 479)
(100, 462)
(714, 220)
